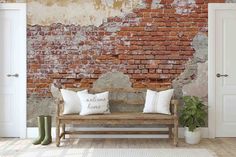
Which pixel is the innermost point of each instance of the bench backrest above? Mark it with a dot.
(124, 100)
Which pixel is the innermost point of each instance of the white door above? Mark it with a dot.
(225, 71)
(12, 70)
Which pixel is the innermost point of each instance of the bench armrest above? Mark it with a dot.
(59, 106)
(174, 107)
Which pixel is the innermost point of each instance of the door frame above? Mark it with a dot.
(21, 94)
(212, 9)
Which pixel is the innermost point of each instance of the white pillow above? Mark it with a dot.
(71, 101)
(94, 103)
(158, 102)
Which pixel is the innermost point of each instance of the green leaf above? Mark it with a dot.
(194, 113)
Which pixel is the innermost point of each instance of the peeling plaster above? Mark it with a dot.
(39, 106)
(83, 12)
(12, 1)
(200, 84)
(56, 93)
(113, 80)
(80, 37)
(184, 6)
(195, 73)
(184, 78)
(230, 1)
(200, 44)
(156, 4)
(113, 27)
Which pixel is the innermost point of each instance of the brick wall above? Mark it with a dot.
(151, 45)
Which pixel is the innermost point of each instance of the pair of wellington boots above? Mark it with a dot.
(44, 130)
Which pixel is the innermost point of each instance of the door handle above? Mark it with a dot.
(219, 75)
(15, 75)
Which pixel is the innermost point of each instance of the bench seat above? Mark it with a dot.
(118, 118)
(130, 118)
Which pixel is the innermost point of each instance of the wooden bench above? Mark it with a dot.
(118, 118)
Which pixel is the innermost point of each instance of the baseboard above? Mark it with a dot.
(32, 132)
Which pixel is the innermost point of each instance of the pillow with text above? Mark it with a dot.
(94, 103)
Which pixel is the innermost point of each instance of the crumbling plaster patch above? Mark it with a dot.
(199, 86)
(184, 6)
(156, 4)
(12, 1)
(195, 73)
(200, 44)
(56, 93)
(83, 12)
(113, 80)
(230, 1)
(39, 106)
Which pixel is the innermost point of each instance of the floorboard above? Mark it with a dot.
(223, 147)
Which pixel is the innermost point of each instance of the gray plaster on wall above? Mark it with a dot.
(56, 92)
(200, 44)
(113, 27)
(184, 7)
(230, 1)
(113, 80)
(39, 106)
(156, 4)
(200, 84)
(80, 36)
(195, 73)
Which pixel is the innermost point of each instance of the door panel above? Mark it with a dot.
(5, 109)
(6, 119)
(226, 64)
(229, 108)
(9, 109)
(229, 49)
(5, 45)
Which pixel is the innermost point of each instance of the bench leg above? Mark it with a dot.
(63, 131)
(170, 132)
(57, 133)
(176, 133)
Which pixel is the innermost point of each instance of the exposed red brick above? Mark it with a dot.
(152, 46)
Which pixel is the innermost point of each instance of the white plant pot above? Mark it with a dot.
(192, 137)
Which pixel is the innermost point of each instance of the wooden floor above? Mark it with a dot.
(223, 147)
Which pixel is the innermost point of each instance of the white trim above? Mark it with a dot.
(211, 70)
(32, 132)
(15, 6)
(23, 95)
(212, 8)
(22, 66)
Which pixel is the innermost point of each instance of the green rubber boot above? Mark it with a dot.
(41, 130)
(48, 124)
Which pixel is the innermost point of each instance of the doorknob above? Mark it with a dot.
(15, 75)
(219, 75)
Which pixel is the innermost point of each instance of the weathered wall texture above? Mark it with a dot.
(156, 44)
(12, 1)
(82, 12)
(136, 44)
(230, 1)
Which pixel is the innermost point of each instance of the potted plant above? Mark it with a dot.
(193, 116)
